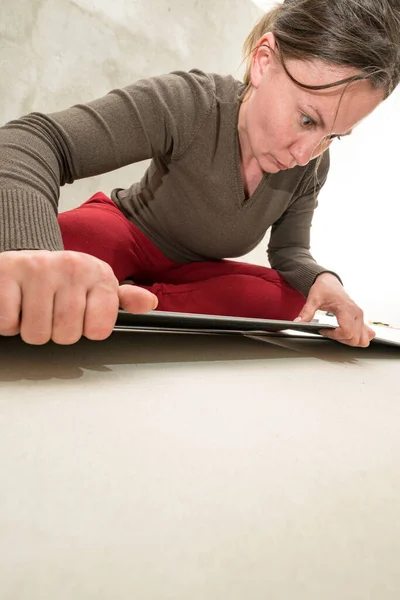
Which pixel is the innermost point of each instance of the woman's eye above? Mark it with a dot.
(307, 121)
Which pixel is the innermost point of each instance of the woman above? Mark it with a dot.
(229, 161)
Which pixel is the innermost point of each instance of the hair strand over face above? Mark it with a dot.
(362, 34)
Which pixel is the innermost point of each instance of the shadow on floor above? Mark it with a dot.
(20, 361)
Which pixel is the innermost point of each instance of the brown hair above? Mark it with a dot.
(363, 34)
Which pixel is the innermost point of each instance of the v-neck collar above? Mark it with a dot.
(243, 199)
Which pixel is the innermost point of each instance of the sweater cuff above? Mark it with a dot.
(305, 276)
(331, 272)
(27, 222)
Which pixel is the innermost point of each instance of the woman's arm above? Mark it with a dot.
(289, 245)
(289, 253)
(39, 153)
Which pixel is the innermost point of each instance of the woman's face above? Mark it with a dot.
(283, 125)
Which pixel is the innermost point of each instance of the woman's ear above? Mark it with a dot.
(263, 58)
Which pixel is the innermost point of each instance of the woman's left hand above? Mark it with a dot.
(328, 294)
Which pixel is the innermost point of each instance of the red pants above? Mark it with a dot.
(220, 287)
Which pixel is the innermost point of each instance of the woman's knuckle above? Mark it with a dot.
(9, 330)
(347, 333)
(37, 263)
(35, 338)
(98, 333)
(72, 263)
(65, 338)
(106, 274)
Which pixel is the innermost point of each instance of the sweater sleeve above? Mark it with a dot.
(289, 245)
(39, 153)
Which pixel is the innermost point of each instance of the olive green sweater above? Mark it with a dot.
(190, 203)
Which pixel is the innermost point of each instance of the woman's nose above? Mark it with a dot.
(306, 149)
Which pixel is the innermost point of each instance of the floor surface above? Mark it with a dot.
(174, 467)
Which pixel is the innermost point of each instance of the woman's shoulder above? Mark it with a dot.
(223, 87)
(226, 87)
(189, 88)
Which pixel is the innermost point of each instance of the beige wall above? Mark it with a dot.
(55, 53)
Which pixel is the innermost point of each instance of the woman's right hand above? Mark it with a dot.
(62, 296)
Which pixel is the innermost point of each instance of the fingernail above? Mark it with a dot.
(155, 303)
(297, 320)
